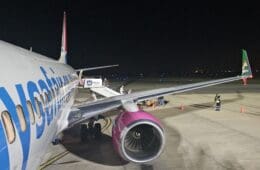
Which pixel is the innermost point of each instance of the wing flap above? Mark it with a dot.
(88, 110)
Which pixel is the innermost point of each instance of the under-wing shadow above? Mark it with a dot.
(99, 151)
(102, 152)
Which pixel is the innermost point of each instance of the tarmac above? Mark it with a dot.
(197, 136)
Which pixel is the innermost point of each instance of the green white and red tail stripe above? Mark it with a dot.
(246, 69)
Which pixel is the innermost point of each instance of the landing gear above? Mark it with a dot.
(56, 141)
(90, 131)
(84, 132)
(97, 130)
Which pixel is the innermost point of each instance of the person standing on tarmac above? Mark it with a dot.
(105, 82)
(217, 103)
(122, 90)
(216, 97)
(94, 96)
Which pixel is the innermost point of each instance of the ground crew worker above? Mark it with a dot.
(216, 97)
(121, 90)
(217, 103)
(161, 101)
(106, 82)
(94, 96)
(129, 91)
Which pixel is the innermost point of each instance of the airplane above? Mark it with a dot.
(36, 106)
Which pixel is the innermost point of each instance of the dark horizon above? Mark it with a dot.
(148, 36)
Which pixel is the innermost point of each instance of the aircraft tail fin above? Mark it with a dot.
(246, 68)
(63, 53)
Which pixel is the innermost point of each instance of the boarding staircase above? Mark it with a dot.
(104, 91)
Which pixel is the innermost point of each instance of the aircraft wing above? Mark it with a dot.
(87, 110)
(96, 68)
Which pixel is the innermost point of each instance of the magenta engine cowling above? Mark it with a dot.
(138, 136)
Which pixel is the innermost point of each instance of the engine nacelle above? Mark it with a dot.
(138, 136)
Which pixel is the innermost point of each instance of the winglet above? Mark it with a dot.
(246, 68)
(63, 53)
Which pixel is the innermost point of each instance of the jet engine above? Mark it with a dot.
(138, 136)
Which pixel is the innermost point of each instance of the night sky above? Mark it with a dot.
(142, 36)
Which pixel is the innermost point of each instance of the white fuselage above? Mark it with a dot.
(27, 77)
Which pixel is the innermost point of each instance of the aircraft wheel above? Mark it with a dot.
(97, 128)
(56, 141)
(84, 133)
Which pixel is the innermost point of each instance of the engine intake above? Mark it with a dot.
(138, 136)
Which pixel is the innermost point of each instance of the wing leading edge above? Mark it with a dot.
(87, 110)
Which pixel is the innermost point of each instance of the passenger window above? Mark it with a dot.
(21, 117)
(42, 99)
(31, 113)
(43, 102)
(55, 89)
(37, 105)
(9, 127)
(50, 96)
(46, 97)
(53, 93)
